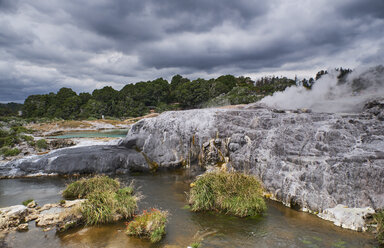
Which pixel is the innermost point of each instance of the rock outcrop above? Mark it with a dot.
(59, 216)
(310, 161)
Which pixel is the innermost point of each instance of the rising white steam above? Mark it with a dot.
(329, 94)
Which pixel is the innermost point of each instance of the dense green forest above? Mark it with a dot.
(159, 95)
(138, 99)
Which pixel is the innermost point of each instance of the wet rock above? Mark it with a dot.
(11, 217)
(350, 218)
(62, 217)
(22, 227)
(32, 204)
(49, 216)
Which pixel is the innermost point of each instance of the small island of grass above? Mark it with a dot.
(149, 224)
(106, 201)
(230, 193)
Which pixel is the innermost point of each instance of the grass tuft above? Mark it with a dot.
(379, 218)
(26, 202)
(149, 225)
(231, 193)
(106, 202)
(195, 245)
(85, 186)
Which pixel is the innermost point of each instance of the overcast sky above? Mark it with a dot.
(87, 44)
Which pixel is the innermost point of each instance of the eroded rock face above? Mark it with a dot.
(80, 160)
(307, 160)
(49, 216)
(12, 217)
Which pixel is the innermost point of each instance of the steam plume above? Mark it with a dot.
(331, 95)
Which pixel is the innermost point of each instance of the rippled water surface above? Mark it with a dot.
(279, 227)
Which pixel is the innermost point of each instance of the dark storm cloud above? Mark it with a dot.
(45, 45)
(359, 9)
(8, 5)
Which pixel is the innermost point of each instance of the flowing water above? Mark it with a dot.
(278, 227)
(113, 133)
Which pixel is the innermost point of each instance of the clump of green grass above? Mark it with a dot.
(26, 202)
(108, 206)
(231, 193)
(9, 152)
(379, 218)
(195, 245)
(42, 144)
(106, 202)
(83, 187)
(149, 225)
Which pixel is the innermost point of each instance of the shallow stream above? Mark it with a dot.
(278, 227)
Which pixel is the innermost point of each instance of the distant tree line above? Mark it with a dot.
(159, 95)
(10, 109)
(343, 73)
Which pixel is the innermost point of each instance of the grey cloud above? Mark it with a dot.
(8, 5)
(359, 9)
(88, 43)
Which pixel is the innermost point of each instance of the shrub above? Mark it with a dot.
(4, 133)
(149, 225)
(379, 218)
(8, 152)
(230, 193)
(26, 202)
(27, 138)
(42, 144)
(10, 140)
(85, 186)
(20, 129)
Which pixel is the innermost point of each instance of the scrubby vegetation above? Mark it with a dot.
(26, 202)
(9, 152)
(12, 133)
(149, 225)
(231, 193)
(379, 218)
(42, 144)
(106, 202)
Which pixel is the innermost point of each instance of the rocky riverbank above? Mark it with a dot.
(308, 161)
(57, 215)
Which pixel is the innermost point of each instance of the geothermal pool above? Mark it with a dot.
(278, 227)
